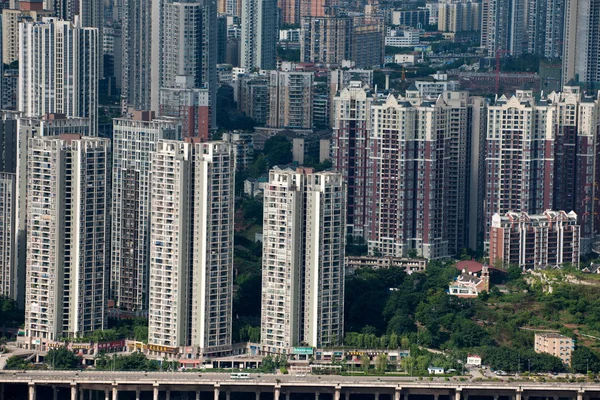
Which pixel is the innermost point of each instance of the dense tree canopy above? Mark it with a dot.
(62, 358)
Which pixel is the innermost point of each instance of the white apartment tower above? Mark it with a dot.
(324, 259)
(67, 236)
(259, 34)
(303, 252)
(59, 69)
(191, 245)
(28, 128)
(135, 139)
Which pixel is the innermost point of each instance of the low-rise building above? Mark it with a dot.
(535, 241)
(402, 38)
(435, 370)
(404, 59)
(469, 284)
(555, 344)
(474, 359)
(438, 85)
(410, 265)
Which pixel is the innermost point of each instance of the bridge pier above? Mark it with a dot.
(376, 396)
(115, 392)
(518, 395)
(106, 394)
(347, 395)
(276, 393)
(197, 395)
(54, 393)
(168, 395)
(580, 394)
(228, 395)
(73, 391)
(436, 396)
(317, 394)
(337, 394)
(288, 395)
(137, 394)
(257, 395)
(457, 394)
(155, 391)
(217, 392)
(31, 391)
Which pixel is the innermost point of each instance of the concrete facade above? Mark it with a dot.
(67, 238)
(303, 259)
(554, 344)
(135, 138)
(71, 89)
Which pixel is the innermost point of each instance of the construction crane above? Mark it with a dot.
(498, 52)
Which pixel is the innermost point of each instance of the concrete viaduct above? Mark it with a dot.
(211, 386)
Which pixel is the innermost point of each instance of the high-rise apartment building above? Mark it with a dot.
(29, 11)
(290, 11)
(67, 238)
(140, 26)
(505, 24)
(415, 18)
(134, 140)
(259, 34)
(576, 163)
(315, 8)
(421, 185)
(253, 100)
(63, 9)
(555, 24)
(368, 42)
(59, 70)
(303, 253)
(190, 104)
(350, 151)
(520, 156)
(459, 15)
(535, 31)
(581, 41)
(191, 246)
(291, 98)
(26, 129)
(8, 214)
(189, 47)
(326, 39)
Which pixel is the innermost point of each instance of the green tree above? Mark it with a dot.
(16, 362)
(61, 358)
(393, 341)
(365, 362)
(278, 150)
(583, 360)
(408, 364)
(381, 363)
(514, 272)
(140, 333)
(259, 166)
(405, 343)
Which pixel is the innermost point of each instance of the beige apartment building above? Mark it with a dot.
(555, 344)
